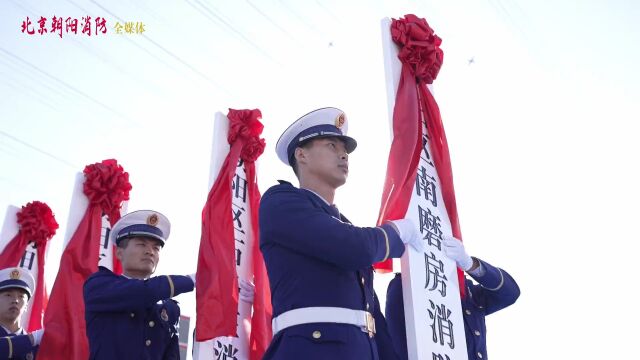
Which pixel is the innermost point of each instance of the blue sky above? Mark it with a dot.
(541, 129)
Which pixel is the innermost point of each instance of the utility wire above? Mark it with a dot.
(268, 18)
(217, 19)
(43, 152)
(168, 52)
(63, 83)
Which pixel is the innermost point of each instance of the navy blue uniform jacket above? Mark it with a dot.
(496, 290)
(133, 319)
(16, 346)
(315, 257)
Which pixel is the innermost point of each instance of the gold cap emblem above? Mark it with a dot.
(152, 220)
(15, 274)
(340, 120)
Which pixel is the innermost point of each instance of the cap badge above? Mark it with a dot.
(14, 275)
(340, 120)
(152, 220)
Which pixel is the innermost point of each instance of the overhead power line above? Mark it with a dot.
(43, 152)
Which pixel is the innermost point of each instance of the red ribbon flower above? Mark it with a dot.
(37, 223)
(252, 149)
(107, 185)
(245, 125)
(419, 47)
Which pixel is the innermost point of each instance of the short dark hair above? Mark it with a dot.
(123, 242)
(292, 160)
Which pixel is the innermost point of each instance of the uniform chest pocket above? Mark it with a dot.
(322, 333)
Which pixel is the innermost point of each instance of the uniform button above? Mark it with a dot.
(480, 306)
(133, 315)
(367, 306)
(316, 334)
(480, 355)
(477, 333)
(468, 312)
(362, 280)
(148, 343)
(152, 324)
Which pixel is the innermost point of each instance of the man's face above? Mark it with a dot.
(140, 255)
(327, 159)
(13, 303)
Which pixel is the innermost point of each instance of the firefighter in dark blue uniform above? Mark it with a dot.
(133, 316)
(495, 290)
(16, 287)
(319, 265)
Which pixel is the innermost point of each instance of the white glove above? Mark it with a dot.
(409, 233)
(37, 336)
(247, 290)
(455, 251)
(193, 278)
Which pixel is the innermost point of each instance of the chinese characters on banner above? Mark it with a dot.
(29, 262)
(86, 25)
(430, 279)
(237, 348)
(106, 247)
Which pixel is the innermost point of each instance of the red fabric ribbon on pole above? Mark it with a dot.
(37, 225)
(107, 186)
(217, 285)
(421, 59)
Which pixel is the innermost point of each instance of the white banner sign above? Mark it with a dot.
(433, 313)
(228, 347)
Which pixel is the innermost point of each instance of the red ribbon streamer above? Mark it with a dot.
(107, 186)
(421, 59)
(217, 287)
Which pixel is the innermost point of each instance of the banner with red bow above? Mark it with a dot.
(24, 237)
(415, 106)
(419, 186)
(106, 186)
(229, 246)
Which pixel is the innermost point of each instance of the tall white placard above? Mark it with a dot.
(433, 313)
(228, 347)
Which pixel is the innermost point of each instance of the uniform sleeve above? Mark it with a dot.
(15, 346)
(384, 342)
(496, 289)
(289, 219)
(117, 293)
